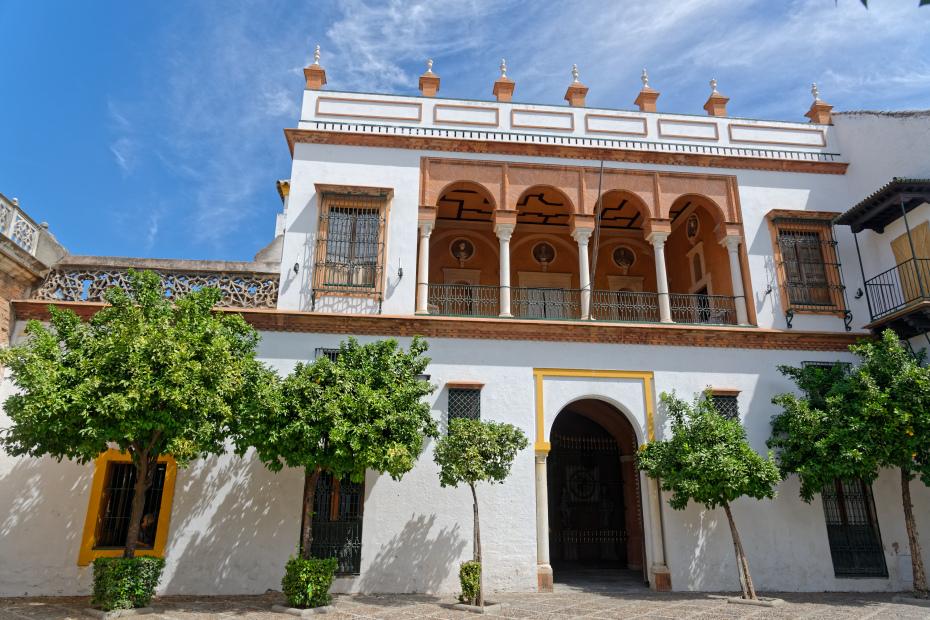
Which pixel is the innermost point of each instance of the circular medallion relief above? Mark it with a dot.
(692, 227)
(543, 253)
(462, 249)
(623, 258)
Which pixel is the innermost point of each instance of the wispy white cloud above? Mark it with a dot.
(231, 79)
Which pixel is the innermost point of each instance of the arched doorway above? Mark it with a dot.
(595, 509)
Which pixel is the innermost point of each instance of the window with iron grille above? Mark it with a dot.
(332, 354)
(337, 522)
(116, 505)
(809, 267)
(852, 530)
(726, 405)
(464, 403)
(350, 243)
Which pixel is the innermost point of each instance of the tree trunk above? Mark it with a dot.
(913, 541)
(306, 522)
(145, 474)
(749, 591)
(476, 551)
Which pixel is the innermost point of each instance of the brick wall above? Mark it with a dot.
(10, 288)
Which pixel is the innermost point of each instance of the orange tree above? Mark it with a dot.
(853, 424)
(708, 460)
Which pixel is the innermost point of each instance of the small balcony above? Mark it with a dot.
(899, 298)
(472, 300)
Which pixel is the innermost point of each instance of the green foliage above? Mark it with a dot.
(477, 451)
(707, 459)
(851, 425)
(470, 580)
(363, 411)
(125, 583)
(306, 583)
(144, 374)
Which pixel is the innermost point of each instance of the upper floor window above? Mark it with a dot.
(807, 263)
(350, 240)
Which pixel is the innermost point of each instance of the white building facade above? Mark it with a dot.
(567, 265)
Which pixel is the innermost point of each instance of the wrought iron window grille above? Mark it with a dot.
(852, 529)
(337, 522)
(331, 353)
(464, 403)
(350, 245)
(118, 492)
(809, 268)
(727, 405)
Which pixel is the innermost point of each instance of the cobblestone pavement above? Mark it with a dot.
(572, 603)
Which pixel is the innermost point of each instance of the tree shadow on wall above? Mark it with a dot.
(234, 524)
(43, 504)
(414, 560)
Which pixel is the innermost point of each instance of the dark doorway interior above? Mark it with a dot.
(594, 510)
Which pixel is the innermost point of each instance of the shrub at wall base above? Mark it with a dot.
(306, 583)
(470, 580)
(125, 583)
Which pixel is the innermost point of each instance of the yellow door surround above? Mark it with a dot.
(87, 553)
(541, 445)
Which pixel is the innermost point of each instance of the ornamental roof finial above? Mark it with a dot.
(429, 65)
(316, 56)
(713, 86)
(503, 68)
(645, 78)
(575, 74)
(815, 91)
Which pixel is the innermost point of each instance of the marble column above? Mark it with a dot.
(657, 239)
(426, 228)
(581, 237)
(736, 275)
(543, 567)
(504, 232)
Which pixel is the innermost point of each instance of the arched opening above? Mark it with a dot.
(595, 509)
(544, 279)
(699, 281)
(623, 272)
(464, 260)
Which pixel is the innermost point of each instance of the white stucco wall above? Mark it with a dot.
(234, 524)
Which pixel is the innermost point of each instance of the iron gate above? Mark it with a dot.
(852, 529)
(337, 522)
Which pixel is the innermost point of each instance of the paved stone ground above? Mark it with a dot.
(566, 602)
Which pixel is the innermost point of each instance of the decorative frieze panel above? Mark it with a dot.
(240, 290)
(17, 226)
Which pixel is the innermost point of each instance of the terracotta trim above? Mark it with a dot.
(587, 124)
(455, 145)
(687, 122)
(465, 385)
(508, 329)
(724, 391)
(496, 123)
(571, 117)
(802, 215)
(418, 105)
(820, 132)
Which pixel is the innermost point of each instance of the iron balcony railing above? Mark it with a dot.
(566, 304)
(703, 309)
(898, 287)
(464, 300)
(545, 303)
(632, 306)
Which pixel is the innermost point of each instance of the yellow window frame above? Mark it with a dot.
(87, 553)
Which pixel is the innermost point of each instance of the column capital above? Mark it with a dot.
(426, 228)
(581, 235)
(731, 242)
(426, 213)
(657, 239)
(504, 230)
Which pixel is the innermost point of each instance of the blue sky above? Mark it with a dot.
(155, 128)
